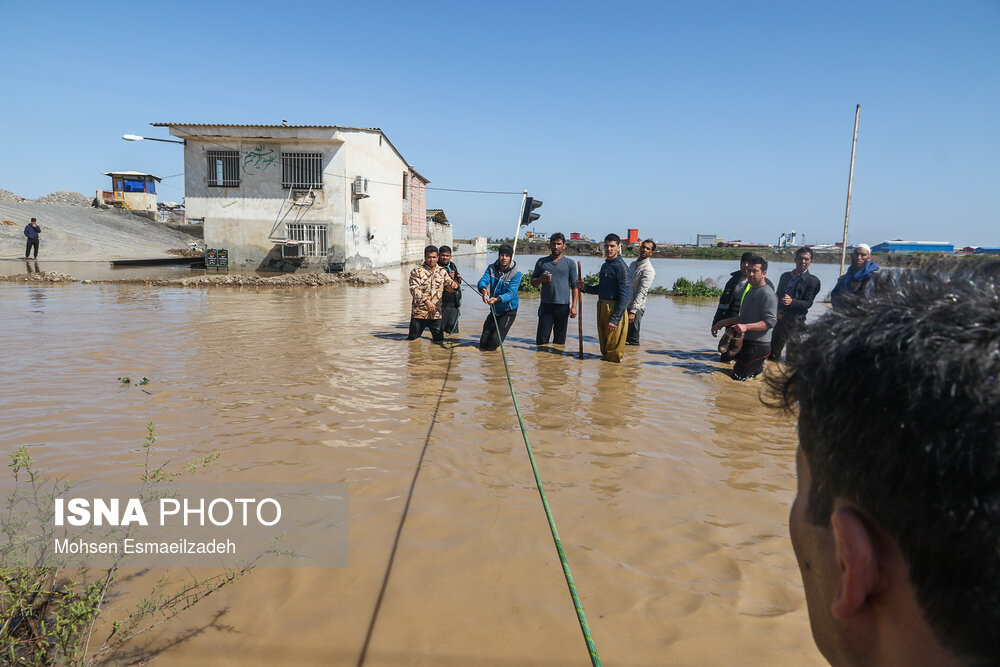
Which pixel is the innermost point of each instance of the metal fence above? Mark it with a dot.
(301, 170)
(223, 169)
(312, 238)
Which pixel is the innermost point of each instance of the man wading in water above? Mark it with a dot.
(427, 285)
(499, 287)
(612, 292)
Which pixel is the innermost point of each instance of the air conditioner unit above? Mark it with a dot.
(360, 187)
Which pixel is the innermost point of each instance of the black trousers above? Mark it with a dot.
(750, 360)
(417, 328)
(552, 321)
(633, 328)
(449, 319)
(32, 243)
(782, 332)
(490, 340)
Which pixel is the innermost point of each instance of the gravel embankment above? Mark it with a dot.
(73, 230)
(234, 280)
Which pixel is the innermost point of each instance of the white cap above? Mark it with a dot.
(864, 246)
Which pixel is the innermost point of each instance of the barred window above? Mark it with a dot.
(301, 170)
(223, 169)
(312, 238)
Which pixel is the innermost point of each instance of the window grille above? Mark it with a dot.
(223, 169)
(312, 238)
(301, 170)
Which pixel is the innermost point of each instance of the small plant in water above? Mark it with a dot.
(125, 380)
(48, 614)
(144, 381)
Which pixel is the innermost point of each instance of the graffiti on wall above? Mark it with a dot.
(259, 158)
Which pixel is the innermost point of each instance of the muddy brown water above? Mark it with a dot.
(670, 483)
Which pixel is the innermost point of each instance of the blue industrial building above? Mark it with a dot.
(902, 247)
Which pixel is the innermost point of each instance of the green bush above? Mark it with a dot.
(700, 289)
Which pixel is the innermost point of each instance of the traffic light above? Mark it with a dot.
(527, 217)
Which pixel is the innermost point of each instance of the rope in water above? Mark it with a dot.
(595, 660)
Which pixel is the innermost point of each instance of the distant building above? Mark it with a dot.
(574, 236)
(302, 196)
(985, 250)
(132, 190)
(632, 236)
(706, 241)
(439, 230)
(902, 247)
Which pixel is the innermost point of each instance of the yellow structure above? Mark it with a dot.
(132, 190)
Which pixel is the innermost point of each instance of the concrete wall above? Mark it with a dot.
(476, 246)
(440, 233)
(361, 233)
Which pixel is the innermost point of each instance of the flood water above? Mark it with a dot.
(670, 483)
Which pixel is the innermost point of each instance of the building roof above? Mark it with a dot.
(130, 173)
(288, 126)
(437, 215)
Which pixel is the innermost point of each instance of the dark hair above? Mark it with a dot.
(505, 249)
(613, 237)
(899, 412)
(804, 250)
(757, 259)
(746, 257)
(444, 248)
(558, 236)
(649, 241)
(430, 249)
(33, 220)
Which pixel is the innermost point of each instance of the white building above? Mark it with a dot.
(281, 197)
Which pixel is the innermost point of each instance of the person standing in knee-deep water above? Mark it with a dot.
(427, 285)
(613, 291)
(796, 291)
(451, 301)
(758, 314)
(32, 230)
(557, 276)
(858, 281)
(641, 275)
(499, 287)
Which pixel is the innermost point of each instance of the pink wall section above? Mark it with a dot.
(416, 217)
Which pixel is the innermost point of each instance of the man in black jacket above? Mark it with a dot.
(726, 300)
(796, 291)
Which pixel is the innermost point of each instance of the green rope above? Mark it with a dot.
(595, 660)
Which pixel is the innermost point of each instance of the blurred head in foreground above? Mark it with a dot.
(896, 525)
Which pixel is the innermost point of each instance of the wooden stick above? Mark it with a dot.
(850, 182)
(579, 307)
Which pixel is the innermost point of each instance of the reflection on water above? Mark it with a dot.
(670, 483)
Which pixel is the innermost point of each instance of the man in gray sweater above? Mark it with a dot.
(758, 314)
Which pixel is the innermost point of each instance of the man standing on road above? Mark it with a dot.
(427, 285)
(758, 314)
(32, 230)
(896, 525)
(612, 291)
(859, 280)
(451, 301)
(796, 291)
(640, 274)
(557, 276)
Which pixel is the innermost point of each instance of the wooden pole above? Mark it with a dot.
(850, 182)
(579, 307)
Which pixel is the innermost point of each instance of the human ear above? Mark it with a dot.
(857, 562)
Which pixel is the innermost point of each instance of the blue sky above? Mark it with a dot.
(732, 118)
